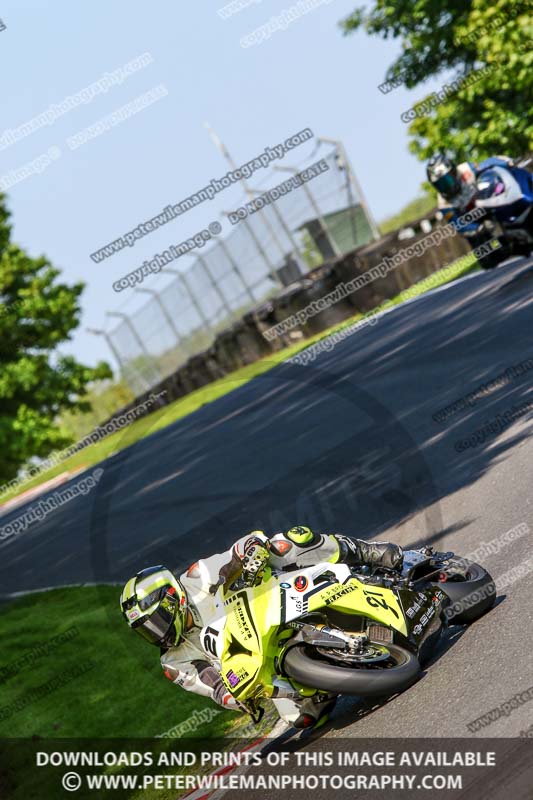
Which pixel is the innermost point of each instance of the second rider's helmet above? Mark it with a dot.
(442, 174)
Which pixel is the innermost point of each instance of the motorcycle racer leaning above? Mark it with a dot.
(171, 612)
(456, 185)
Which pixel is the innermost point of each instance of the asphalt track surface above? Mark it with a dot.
(345, 444)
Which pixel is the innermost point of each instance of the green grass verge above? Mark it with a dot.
(186, 405)
(70, 669)
(122, 693)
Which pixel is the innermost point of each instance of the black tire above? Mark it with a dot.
(470, 599)
(364, 682)
(491, 260)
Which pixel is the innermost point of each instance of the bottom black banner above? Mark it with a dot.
(289, 766)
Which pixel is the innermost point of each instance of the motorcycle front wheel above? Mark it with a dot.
(392, 670)
(470, 597)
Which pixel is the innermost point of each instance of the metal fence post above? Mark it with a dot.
(165, 313)
(139, 341)
(214, 284)
(192, 297)
(316, 209)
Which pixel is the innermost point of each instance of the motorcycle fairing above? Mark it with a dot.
(252, 630)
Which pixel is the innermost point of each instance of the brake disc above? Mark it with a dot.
(369, 654)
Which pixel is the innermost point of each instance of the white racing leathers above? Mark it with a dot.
(188, 665)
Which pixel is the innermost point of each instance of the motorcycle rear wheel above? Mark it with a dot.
(304, 664)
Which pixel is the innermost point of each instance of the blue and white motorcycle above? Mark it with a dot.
(505, 192)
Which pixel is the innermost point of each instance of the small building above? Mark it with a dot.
(348, 228)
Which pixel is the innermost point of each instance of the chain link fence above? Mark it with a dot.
(260, 255)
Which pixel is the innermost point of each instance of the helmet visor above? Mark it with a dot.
(446, 185)
(159, 627)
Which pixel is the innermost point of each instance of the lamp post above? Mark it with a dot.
(223, 149)
(100, 332)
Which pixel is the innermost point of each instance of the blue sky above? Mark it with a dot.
(306, 76)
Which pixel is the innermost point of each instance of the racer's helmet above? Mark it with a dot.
(154, 604)
(442, 174)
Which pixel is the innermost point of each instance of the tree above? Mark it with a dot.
(105, 399)
(37, 313)
(489, 40)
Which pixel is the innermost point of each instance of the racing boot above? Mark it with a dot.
(356, 552)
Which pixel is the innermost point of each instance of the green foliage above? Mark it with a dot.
(105, 398)
(310, 253)
(412, 211)
(37, 313)
(492, 115)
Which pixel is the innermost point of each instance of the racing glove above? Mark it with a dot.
(254, 560)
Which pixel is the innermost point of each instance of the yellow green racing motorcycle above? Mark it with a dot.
(341, 629)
